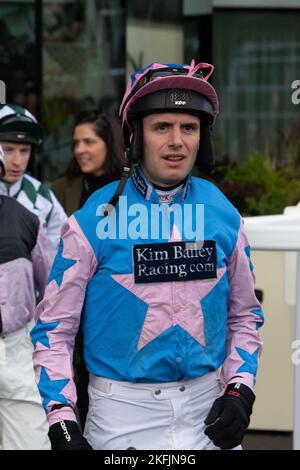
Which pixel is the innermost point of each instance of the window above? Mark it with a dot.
(83, 68)
(19, 68)
(257, 57)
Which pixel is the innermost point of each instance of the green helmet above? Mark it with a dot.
(18, 125)
(2, 164)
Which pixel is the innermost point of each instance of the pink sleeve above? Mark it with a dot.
(57, 321)
(42, 258)
(245, 316)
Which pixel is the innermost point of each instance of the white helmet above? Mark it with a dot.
(2, 162)
(18, 125)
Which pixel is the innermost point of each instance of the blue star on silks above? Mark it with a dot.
(247, 251)
(60, 265)
(250, 364)
(40, 330)
(50, 389)
(260, 314)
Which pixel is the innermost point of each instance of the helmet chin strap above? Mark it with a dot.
(132, 156)
(122, 183)
(205, 158)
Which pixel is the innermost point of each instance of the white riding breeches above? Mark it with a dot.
(23, 423)
(150, 416)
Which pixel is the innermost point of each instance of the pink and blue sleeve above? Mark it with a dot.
(245, 317)
(57, 320)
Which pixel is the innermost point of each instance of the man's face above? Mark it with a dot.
(16, 160)
(171, 143)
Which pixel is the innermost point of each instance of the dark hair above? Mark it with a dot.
(107, 128)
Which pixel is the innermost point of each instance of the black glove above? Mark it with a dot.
(65, 435)
(229, 416)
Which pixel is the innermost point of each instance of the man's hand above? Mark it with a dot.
(229, 416)
(65, 435)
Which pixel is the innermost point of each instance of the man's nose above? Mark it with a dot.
(175, 137)
(17, 158)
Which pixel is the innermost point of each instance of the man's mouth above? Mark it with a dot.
(174, 158)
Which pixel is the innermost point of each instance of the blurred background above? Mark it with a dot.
(60, 56)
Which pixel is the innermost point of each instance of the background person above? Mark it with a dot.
(98, 159)
(20, 134)
(154, 344)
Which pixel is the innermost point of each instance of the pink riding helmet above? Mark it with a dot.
(173, 88)
(156, 77)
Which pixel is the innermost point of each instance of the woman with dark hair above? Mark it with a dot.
(98, 159)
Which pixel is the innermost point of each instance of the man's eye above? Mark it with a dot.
(161, 127)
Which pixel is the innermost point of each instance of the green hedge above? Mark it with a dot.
(256, 188)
